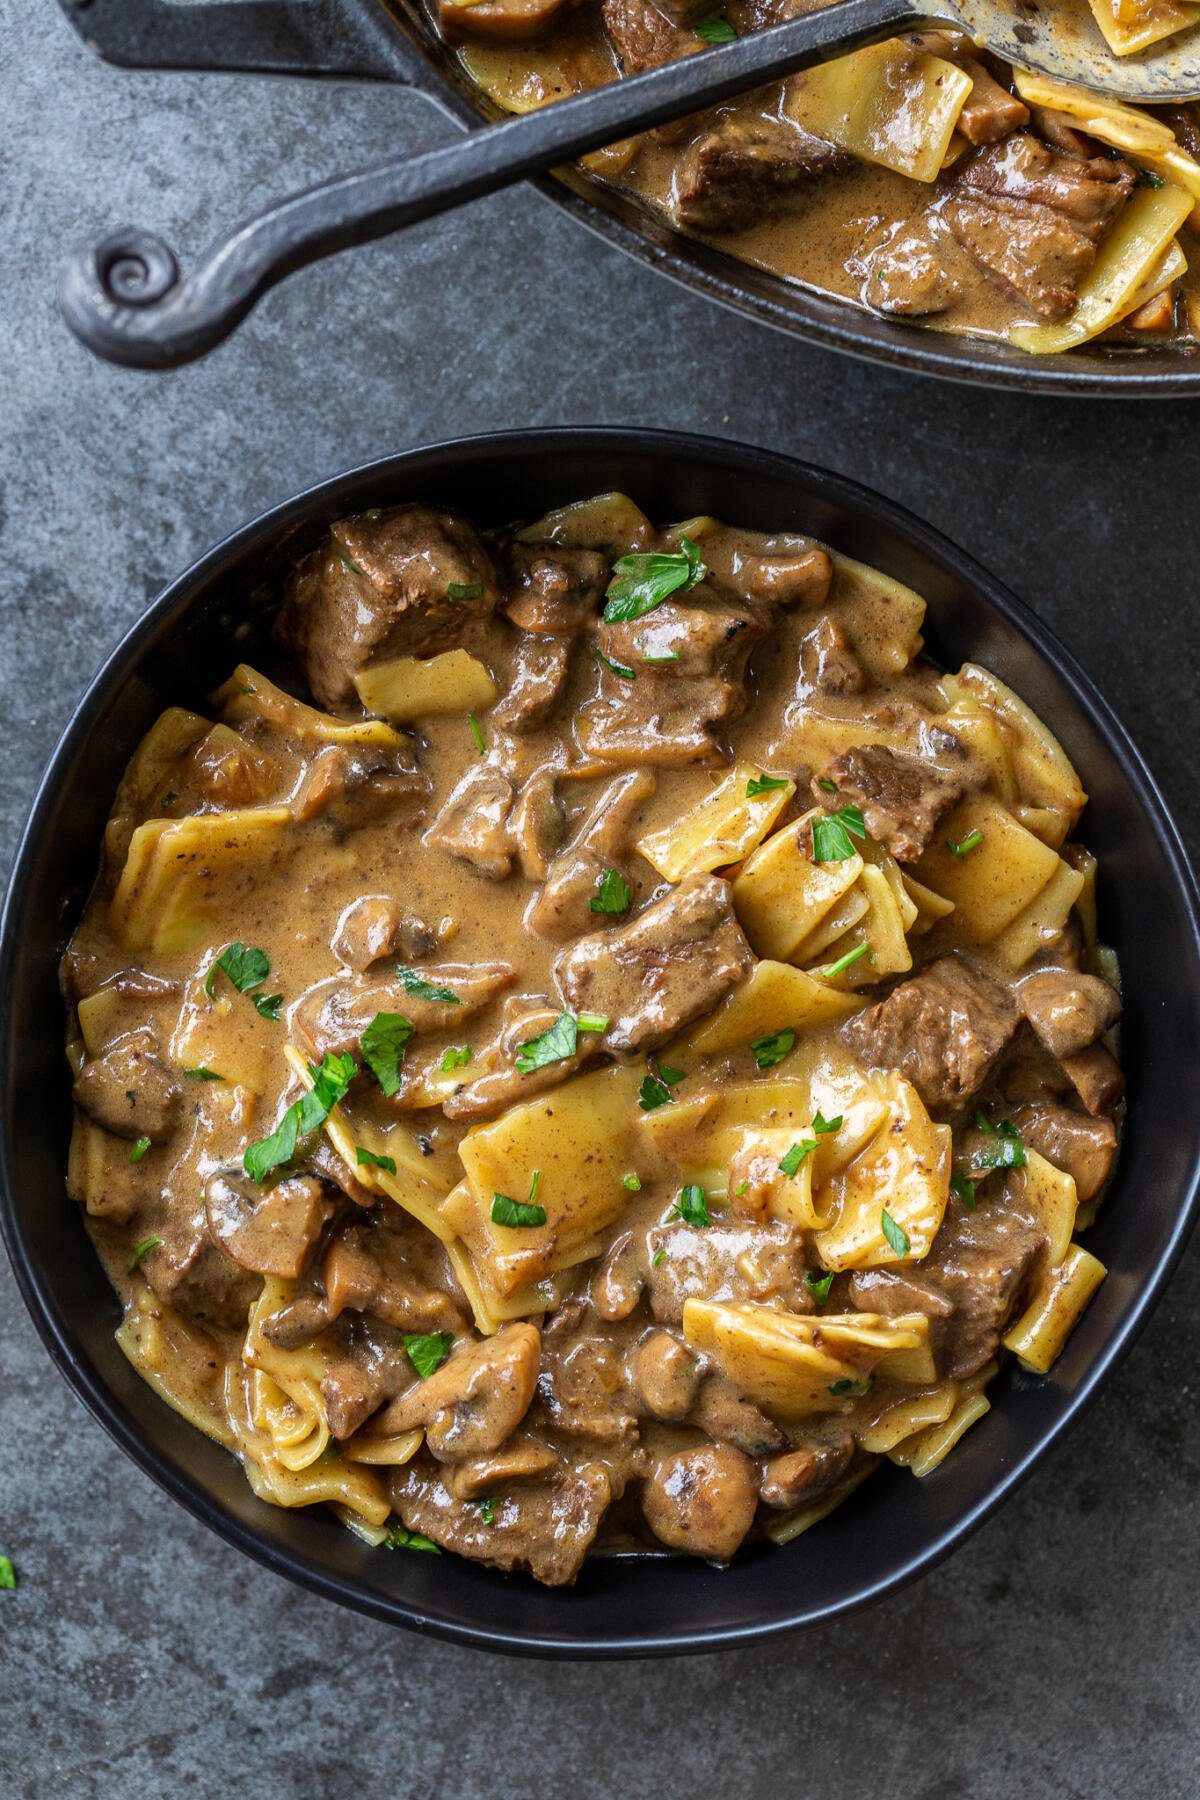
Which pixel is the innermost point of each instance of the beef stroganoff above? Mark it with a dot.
(592, 1040)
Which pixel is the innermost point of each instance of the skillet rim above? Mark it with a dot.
(475, 454)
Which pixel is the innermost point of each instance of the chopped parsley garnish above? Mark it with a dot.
(895, 1234)
(716, 29)
(201, 1073)
(383, 1045)
(833, 835)
(554, 1045)
(964, 1188)
(633, 1183)
(349, 565)
(477, 734)
(692, 1206)
(671, 1076)
(592, 1022)
(400, 1537)
(655, 1090)
(657, 1258)
(832, 970)
(516, 1213)
(789, 1164)
(848, 1386)
(464, 590)
(614, 668)
(1008, 1152)
(1147, 178)
(819, 1285)
(245, 968)
(487, 1510)
(415, 984)
(138, 1150)
(643, 581)
(764, 784)
(965, 845)
(981, 1119)
(741, 1187)
(772, 1049)
(427, 1350)
(829, 786)
(141, 1249)
(367, 1159)
(613, 893)
(303, 1116)
(534, 1185)
(457, 1057)
(660, 656)
(823, 1127)
(267, 1006)
(169, 798)
(8, 1575)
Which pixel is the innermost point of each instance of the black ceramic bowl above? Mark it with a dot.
(893, 1526)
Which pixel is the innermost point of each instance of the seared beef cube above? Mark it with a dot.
(130, 1090)
(990, 111)
(193, 1276)
(984, 1261)
(1097, 1079)
(404, 582)
(811, 1470)
(901, 797)
(1033, 216)
(907, 273)
(384, 1268)
(726, 1262)
(746, 169)
(553, 590)
(665, 968)
(943, 1030)
(474, 824)
(828, 661)
(643, 36)
(1068, 1010)
(893, 1292)
(1073, 1141)
(604, 841)
(546, 1527)
(725, 1416)
(582, 1385)
(539, 676)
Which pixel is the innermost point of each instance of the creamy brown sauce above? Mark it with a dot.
(824, 1118)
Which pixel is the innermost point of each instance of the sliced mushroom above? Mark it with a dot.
(269, 1230)
(476, 1399)
(129, 1090)
(666, 1375)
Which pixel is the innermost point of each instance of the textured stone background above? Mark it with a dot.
(1056, 1655)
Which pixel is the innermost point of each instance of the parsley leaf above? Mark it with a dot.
(383, 1045)
(516, 1212)
(487, 1510)
(964, 1188)
(652, 1094)
(302, 1117)
(463, 590)
(692, 1206)
(615, 668)
(144, 1248)
(400, 1538)
(138, 1150)
(245, 968)
(8, 1575)
(832, 836)
(764, 784)
(671, 1076)
(895, 1234)
(823, 1127)
(415, 984)
(613, 893)
(633, 1183)
(367, 1159)
(834, 969)
(1008, 1152)
(477, 734)
(715, 30)
(849, 1386)
(457, 1057)
(554, 1045)
(819, 1285)
(643, 582)
(201, 1073)
(790, 1163)
(773, 1048)
(971, 842)
(427, 1350)
(1148, 179)
(347, 564)
(657, 1258)
(267, 1006)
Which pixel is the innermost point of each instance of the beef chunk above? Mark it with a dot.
(1033, 216)
(907, 274)
(563, 908)
(582, 1384)
(372, 1369)
(892, 1292)
(726, 1262)
(811, 1470)
(745, 169)
(828, 661)
(192, 1275)
(725, 1416)
(352, 787)
(1068, 1010)
(984, 1262)
(269, 1230)
(129, 1090)
(643, 36)
(333, 1015)
(545, 1527)
(943, 1030)
(382, 1266)
(378, 587)
(702, 1501)
(1096, 1077)
(376, 926)
(539, 675)
(474, 823)
(554, 591)
(665, 968)
(1084, 1147)
(901, 797)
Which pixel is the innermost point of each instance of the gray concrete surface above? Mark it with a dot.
(1056, 1655)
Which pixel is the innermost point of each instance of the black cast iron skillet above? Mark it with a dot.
(104, 285)
(894, 1526)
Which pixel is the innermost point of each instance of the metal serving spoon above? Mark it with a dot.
(124, 297)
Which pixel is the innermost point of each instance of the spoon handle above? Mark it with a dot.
(124, 297)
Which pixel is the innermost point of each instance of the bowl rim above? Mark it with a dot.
(405, 470)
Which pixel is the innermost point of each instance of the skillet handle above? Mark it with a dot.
(124, 298)
(261, 37)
